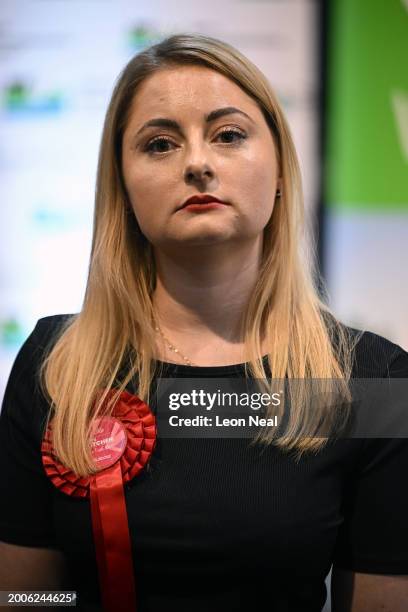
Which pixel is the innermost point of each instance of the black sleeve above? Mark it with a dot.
(374, 536)
(25, 491)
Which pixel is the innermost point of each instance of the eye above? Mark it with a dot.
(161, 141)
(232, 132)
(149, 147)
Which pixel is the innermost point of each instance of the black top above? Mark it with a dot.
(217, 524)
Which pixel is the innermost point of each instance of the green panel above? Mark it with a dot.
(367, 160)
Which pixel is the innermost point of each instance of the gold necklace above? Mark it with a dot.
(173, 348)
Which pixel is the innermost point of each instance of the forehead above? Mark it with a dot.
(188, 88)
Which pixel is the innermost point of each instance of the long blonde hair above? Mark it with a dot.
(116, 323)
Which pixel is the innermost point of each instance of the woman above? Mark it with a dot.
(177, 290)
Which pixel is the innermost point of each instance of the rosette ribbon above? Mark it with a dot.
(121, 447)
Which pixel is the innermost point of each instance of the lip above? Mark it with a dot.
(200, 208)
(201, 200)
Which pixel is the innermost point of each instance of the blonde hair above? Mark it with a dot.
(115, 327)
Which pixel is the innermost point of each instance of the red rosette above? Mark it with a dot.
(140, 426)
(122, 443)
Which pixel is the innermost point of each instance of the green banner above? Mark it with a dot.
(367, 147)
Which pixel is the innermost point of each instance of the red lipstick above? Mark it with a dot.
(203, 207)
(202, 202)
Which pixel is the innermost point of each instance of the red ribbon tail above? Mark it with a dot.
(112, 541)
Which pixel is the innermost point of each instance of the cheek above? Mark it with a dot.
(258, 170)
(257, 187)
(148, 193)
(141, 189)
(149, 184)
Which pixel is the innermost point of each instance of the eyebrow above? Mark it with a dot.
(170, 123)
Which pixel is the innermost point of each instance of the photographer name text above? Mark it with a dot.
(217, 421)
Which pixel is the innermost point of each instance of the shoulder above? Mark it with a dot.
(44, 335)
(23, 404)
(374, 356)
(47, 328)
(31, 353)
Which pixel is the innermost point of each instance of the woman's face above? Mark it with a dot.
(230, 156)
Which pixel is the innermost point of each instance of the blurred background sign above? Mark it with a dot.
(366, 239)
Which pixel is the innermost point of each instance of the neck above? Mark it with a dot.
(202, 293)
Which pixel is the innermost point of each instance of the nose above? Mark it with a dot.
(198, 166)
(198, 172)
